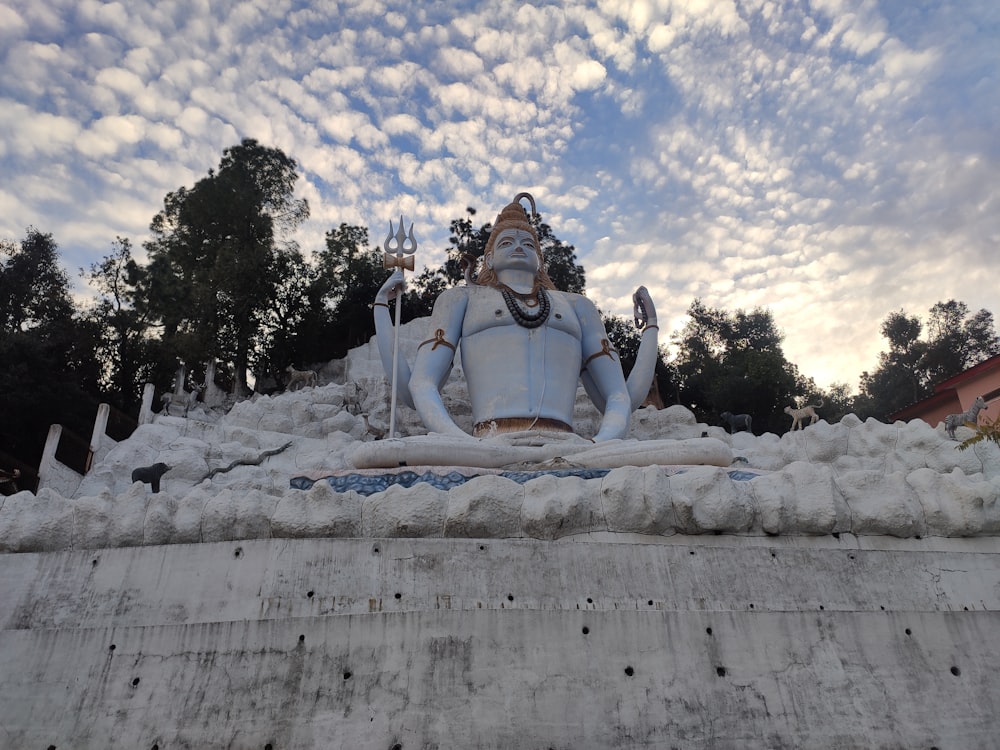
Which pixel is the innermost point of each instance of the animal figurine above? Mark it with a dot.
(302, 378)
(371, 429)
(150, 475)
(799, 415)
(737, 422)
(184, 399)
(970, 417)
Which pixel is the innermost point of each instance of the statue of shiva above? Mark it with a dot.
(525, 347)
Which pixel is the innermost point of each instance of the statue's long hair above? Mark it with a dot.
(513, 216)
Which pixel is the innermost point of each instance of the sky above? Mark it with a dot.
(832, 161)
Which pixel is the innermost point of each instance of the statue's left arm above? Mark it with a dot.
(602, 365)
(641, 377)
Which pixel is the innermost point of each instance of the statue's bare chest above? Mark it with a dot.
(487, 309)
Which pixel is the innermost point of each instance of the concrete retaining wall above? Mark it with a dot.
(609, 641)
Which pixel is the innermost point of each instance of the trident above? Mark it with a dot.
(399, 250)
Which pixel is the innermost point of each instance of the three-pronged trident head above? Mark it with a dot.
(399, 247)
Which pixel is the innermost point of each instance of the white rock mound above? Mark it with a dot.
(230, 479)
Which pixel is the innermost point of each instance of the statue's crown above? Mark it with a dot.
(513, 216)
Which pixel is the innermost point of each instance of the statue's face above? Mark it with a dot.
(515, 249)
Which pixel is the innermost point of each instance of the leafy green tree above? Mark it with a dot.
(33, 287)
(912, 367)
(351, 273)
(215, 267)
(837, 402)
(898, 380)
(956, 342)
(294, 326)
(50, 375)
(128, 355)
(734, 362)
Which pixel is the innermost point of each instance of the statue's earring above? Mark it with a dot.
(488, 260)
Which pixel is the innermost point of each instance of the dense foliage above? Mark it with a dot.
(225, 282)
(912, 367)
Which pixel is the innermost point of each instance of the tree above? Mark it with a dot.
(351, 274)
(33, 288)
(912, 367)
(128, 356)
(50, 375)
(295, 326)
(215, 270)
(734, 362)
(898, 380)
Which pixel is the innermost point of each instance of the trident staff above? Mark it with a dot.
(399, 250)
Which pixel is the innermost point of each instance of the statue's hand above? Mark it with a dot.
(392, 287)
(643, 308)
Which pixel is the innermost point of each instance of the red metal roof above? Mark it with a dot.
(975, 371)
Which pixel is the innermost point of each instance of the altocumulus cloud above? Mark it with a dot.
(833, 162)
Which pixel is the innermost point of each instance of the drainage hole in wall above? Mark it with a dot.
(112, 647)
(589, 600)
(510, 597)
(155, 747)
(751, 605)
(629, 671)
(238, 552)
(882, 607)
(836, 535)
(708, 630)
(482, 547)
(908, 631)
(93, 563)
(850, 557)
(965, 608)
(398, 595)
(650, 602)
(135, 682)
(773, 553)
(268, 746)
(721, 671)
(52, 747)
(956, 671)
(397, 746)
(302, 638)
(586, 630)
(690, 551)
(821, 607)
(347, 675)
(374, 550)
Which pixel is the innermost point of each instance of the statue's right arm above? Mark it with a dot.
(434, 359)
(384, 335)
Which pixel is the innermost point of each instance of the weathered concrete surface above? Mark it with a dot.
(607, 641)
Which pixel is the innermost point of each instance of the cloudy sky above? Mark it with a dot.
(831, 160)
